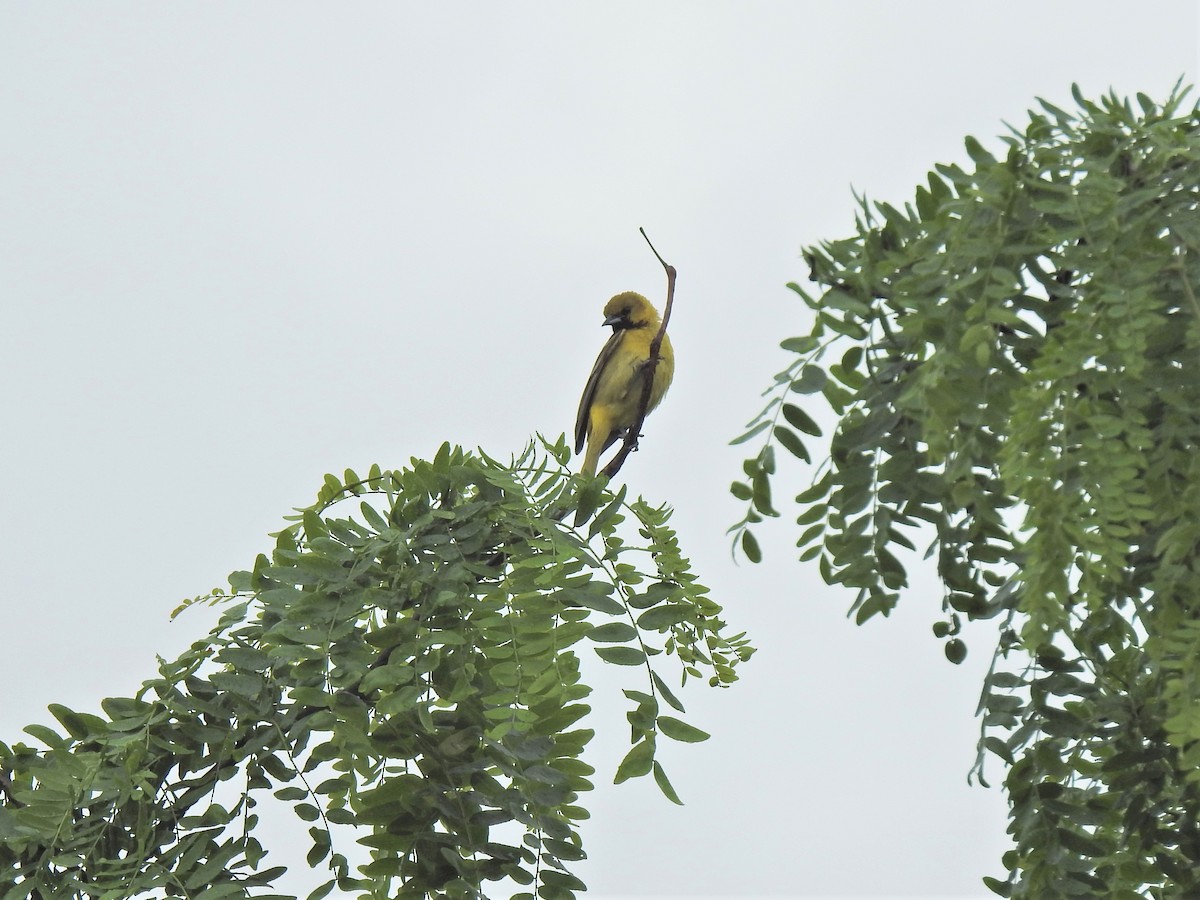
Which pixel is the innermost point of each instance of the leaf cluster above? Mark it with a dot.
(405, 663)
(1011, 361)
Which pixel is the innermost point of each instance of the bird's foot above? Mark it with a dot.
(623, 434)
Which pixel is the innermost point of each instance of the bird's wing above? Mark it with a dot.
(589, 390)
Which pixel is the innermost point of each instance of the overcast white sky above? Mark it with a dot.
(244, 244)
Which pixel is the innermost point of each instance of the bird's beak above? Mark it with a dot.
(614, 320)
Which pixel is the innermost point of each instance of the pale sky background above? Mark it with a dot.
(244, 244)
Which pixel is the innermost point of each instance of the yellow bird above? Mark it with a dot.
(610, 399)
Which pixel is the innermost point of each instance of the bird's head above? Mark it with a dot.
(629, 310)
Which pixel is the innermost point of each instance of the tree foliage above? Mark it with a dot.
(1012, 363)
(405, 662)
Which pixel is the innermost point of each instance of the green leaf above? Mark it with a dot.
(78, 725)
(664, 785)
(816, 512)
(1000, 748)
(810, 534)
(956, 651)
(564, 850)
(978, 154)
(387, 677)
(665, 692)
(761, 484)
(1080, 843)
(799, 419)
(117, 708)
(812, 379)
(843, 301)
(559, 881)
(239, 683)
(750, 547)
(637, 762)
(799, 345)
(756, 430)
(316, 854)
(664, 616)
(845, 327)
(804, 295)
(592, 598)
(247, 659)
(679, 730)
(587, 500)
(314, 525)
(621, 656)
(47, 736)
(613, 632)
(791, 443)
(819, 490)
(608, 514)
(546, 775)
(307, 812)
(372, 517)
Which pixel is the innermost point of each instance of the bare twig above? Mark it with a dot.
(635, 430)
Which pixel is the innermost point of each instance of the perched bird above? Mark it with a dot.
(610, 399)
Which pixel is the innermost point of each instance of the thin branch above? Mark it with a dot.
(651, 364)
